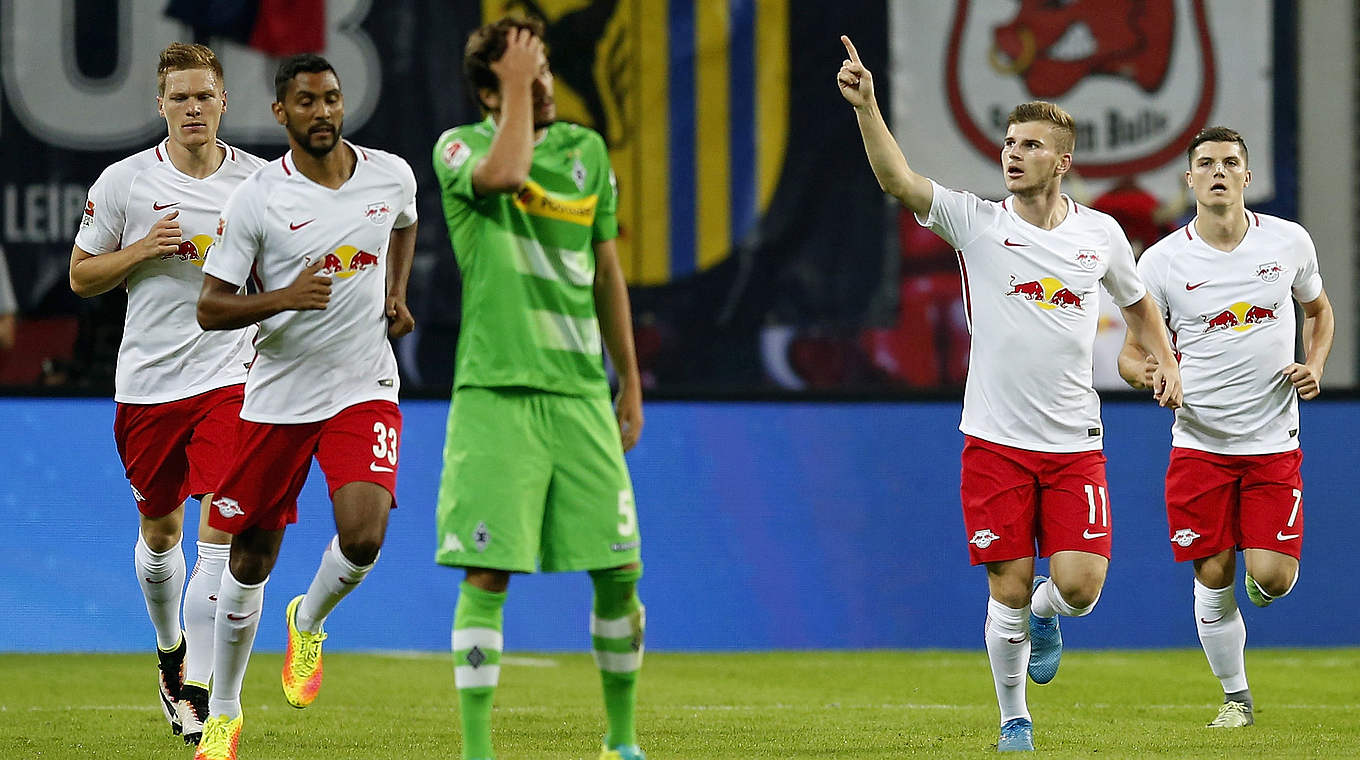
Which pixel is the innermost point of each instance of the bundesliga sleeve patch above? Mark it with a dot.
(456, 154)
(87, 218)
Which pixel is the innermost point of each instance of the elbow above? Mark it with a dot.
(82, 289)
(206, 318)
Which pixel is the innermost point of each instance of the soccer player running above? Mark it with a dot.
(1226, 285)
(148, 225)
(327, 235)
(1032, 463)
(533, 461)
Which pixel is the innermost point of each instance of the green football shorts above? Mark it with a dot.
(534, 478)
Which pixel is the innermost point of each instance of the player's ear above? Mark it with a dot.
(160, 106)
(279, 115)
(1064, 164)
(1246, 179)
(491, 99)
(1189, 180)
(224, 101)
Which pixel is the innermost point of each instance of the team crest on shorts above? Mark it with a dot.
(227, 507)
(481, 537)
(983, 538)
(1184, 537)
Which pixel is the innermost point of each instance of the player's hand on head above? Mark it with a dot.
(312, 288)
(163, 239)
(518, 65)
(399, 319)
(1306, 381)
(628, 409)
(855, 81)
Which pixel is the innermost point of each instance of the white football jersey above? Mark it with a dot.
(1033, 308)
(311, 364)
(1231, 315)
(165, 355)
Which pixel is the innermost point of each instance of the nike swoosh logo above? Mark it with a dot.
(158, 207)
(1279, 536)
(1088, 535)
(234, 616)
(296, 227)
(212, 597)
(1188, 286)
(1017, 640)
(1211, 622)
(374, 466)
(163, 580)
(1008, 242)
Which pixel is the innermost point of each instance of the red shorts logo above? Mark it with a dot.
(227, 507)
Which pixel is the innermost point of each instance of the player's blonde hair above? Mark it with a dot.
(1064, 126)
(183, 56)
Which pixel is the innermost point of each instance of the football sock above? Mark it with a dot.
(1048, 601)
(334, 579)
(162, 580)
(238, 617)
(1243, 696)
(1223, 635)
(1007, 636)
(200, 611)
(477, 646)
(617, 624)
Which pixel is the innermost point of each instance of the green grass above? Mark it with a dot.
(699, 706)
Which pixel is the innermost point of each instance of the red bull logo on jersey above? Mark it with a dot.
(344, 262)
(1047, 293)
(1239, 317)
(1140, 74)
(194, 249)
(1269, 271)
(378, 212)
(1087, 259)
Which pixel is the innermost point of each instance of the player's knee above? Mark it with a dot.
(1276, 582)
(160, 541)
(361, 552)
(249, 568)
(1081, 596)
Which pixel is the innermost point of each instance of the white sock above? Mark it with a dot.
(1047, 601)
(238, 617)
(334, 579)
(200, 611)
(162, 580)
(1223, 635)
(1007, 636)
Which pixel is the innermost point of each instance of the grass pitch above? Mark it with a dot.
(781, 705)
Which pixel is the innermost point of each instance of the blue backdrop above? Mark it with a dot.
(771, 525)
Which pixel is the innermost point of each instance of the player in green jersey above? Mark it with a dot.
(533, 460)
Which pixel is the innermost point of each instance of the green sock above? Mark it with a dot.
(617, 623)
(477, 664)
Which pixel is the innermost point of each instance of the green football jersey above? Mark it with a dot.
(527, 260)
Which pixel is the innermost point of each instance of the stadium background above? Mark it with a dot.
(801, 338)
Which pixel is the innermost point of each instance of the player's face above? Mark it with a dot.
(192, 104)
(1030, 159)
(1218, 174)
(545, 106)
(313, 112)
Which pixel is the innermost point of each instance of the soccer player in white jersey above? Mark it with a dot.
(1032, 464)
(148, 225)
(1226, 284)
(327, 233)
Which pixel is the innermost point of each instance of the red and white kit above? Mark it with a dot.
(165, 356)
(1233, 479)
(311, 365)
(1033, 310)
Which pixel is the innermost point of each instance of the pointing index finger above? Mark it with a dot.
(850, 48)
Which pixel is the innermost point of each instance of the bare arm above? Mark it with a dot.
(511, 154)
(1136, 365)
(1146, 330)
(616, 327)
(1319, 325)
(885, 157)
(401, 251)
(222, 307)
(92, 275)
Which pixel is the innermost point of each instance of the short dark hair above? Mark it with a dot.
(485, 46)
(302, 63)
(182, 56)
(1216, 134)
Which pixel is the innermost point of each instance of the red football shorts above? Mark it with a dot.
(178, 449)
(260, 489)
(1220, 501)
(1013, 498)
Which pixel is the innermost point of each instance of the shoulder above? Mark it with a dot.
(1159, 253)
(247, 161)
(122, 173)
(571, 134)
(1098, 219)
(1279, 227)
(475, 135)
(388, 162)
